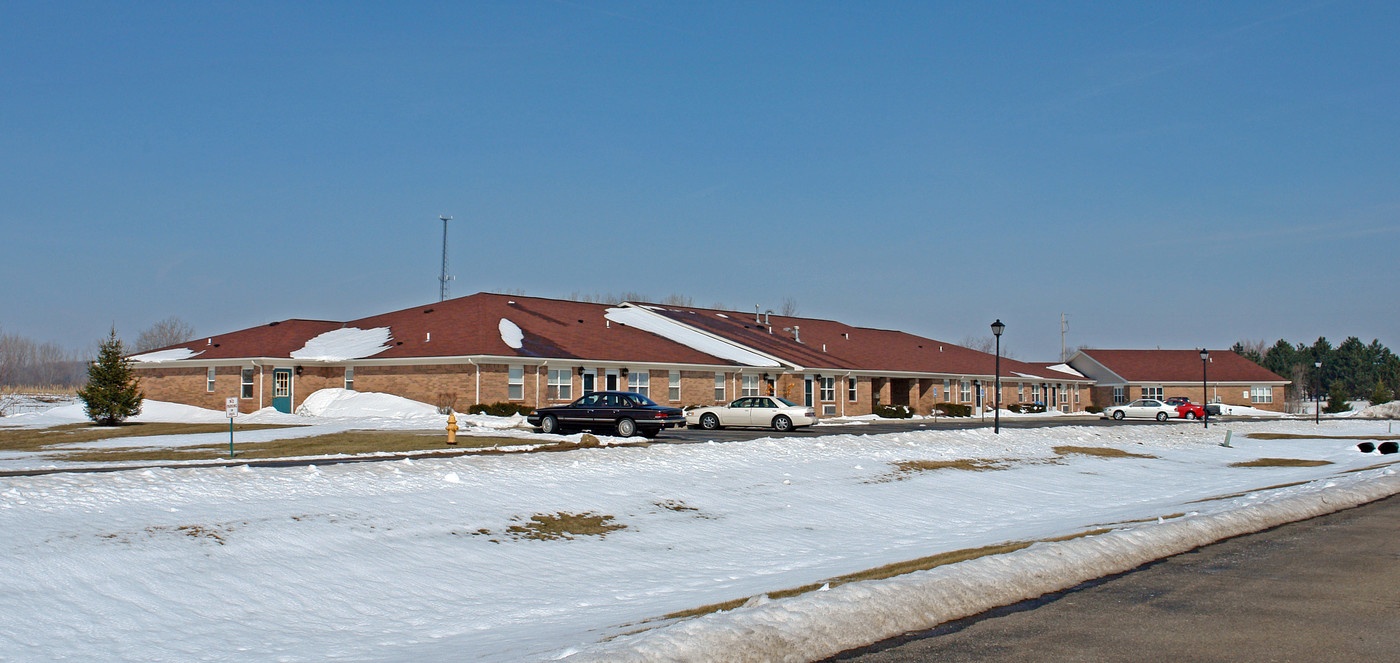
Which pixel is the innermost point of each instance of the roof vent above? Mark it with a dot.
(428, 310)
(511, 302)
(580, 322)
(210, 341)
(274, 323)
(845, 336)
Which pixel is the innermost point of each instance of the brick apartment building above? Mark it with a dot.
(488, 348)
(1121, 376)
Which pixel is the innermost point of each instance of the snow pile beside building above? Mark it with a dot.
(343, 344)
(343, 403)
(1247, 411)
(151, 412)
(820, 624)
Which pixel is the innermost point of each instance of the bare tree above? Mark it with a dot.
(167, 332)
(987, 344)
(676, 300)
(788, 308)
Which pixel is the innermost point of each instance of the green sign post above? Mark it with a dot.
(231, 409)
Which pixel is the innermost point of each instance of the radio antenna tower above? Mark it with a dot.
(444, 279)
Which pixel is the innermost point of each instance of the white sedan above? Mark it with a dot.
(762, 411)
(1142, 408)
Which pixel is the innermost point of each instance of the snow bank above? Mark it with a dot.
(166, 355)
(1389, 410)
(669, 329)
(340, 403)
(820, 624)
(511, 334)
(1247, 411)
(346, 343)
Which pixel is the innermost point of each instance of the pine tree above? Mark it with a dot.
(112, 391)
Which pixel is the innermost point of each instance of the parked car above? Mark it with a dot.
(1177, 400)
(1142, 408)
(1189, 410)
(762, 411)
(623, 412)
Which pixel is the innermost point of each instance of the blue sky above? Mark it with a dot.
(1168, 174)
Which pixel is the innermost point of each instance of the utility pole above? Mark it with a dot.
(442, 292)
(1064, 326)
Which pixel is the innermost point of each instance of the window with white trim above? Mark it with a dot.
(1020, 392)
(828, 391)
(515, 383)
(1035, 393)
(673, 389)
(639, 382)
(246, 378)
(1119, 397)
(965, 392)
(561, 385)
(350, 378)
(1152, 392)
(1076, 393)
(948, 390)
(851, 389)
(719, 387)
(209, 380)
(750, 386)
(1261, 394)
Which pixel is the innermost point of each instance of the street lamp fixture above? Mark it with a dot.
(1317, 392)
(1205, 388)
(997, 328)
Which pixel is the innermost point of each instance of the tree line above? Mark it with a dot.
(1353, 370)
(25, 362)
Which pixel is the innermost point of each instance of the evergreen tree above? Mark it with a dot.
(1337, 398)
(1280, 358)
(1381, 394)
(111, 393)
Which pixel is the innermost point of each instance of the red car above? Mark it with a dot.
(1190, 410)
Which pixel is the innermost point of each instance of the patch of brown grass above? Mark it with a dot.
(1281, 462)
(887, 571)
(343, 443)
(36, 439)
(563, 525)
(1103, 452)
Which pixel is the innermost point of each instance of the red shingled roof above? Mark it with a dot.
(275, 339)
(1181, 366)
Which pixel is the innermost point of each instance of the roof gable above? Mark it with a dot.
(1138, 366)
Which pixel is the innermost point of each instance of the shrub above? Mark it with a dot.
(894, 411)
(1023, 408)
(954, 409)
(500, 409)
(1381, 394)
(1093, 409)
(1337, 398)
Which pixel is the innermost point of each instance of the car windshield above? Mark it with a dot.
(785, 402)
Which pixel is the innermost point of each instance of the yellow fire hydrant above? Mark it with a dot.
(451, 427)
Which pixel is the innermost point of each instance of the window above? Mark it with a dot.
(561, 385)
(1118, 396)
(209, 380)
(851, 389)
(1076, 394)
(1261, 394)
(515, 383)
(966, 392)
(750, 386)
(247, 380)
(719, 387)
(1035, 393)
(1020, 393)
(639, 382)
(1152, 392)
(673, 389)
(828, 390)
(281, 384)
(350, 378)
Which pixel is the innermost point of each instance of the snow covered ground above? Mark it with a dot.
(416, 560)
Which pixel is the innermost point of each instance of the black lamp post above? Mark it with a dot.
(1205, 388)
(997, 328)
(1317, 392)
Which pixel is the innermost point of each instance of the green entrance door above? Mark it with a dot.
(282, 389)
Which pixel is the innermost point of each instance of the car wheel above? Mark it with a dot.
(1118, 414)
(626, 428)
(1161, 416)
(782, 424)
(709, 421)
(549, 425)
(1190, 415)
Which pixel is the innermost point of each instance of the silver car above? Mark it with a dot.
(762, 411)
(1142, 408)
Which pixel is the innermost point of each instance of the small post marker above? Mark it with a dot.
(230, 409)
(451, 427)
(1226, 443)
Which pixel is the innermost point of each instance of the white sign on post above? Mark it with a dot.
(231, 407)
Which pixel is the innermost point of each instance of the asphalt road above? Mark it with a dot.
(899, 426)
(1325, 589)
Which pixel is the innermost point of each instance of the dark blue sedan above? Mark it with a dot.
(623, 412)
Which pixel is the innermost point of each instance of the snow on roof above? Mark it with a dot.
(346, 343)
(174, 354)
(511, 334)
(1023, 375)
(1065, 368)
(666, 328)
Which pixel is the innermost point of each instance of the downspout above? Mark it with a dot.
(476, 400)
(537, 382)
(261, 377)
